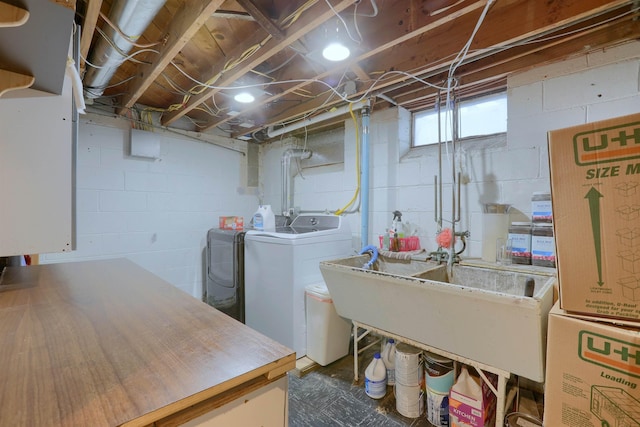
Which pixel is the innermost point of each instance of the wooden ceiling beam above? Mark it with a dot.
(185, 24)
(510, 33)
(231, 14)
(427, 59)
(315, 16)
(88, 27)
(394, 41)
(527, 56)
(263, 20)
(359, 72)
(267, 24)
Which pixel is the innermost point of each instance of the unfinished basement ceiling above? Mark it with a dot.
(184, 64)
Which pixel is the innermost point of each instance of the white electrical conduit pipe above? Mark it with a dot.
(272, 133)
(76, 83)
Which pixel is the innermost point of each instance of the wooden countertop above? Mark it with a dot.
(106, 343)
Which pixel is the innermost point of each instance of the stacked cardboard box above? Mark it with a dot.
(593, 345)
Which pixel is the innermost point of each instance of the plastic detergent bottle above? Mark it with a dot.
(264, 219)
(389, 359)
(375, 378)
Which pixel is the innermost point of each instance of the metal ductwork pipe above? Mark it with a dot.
(132, 17)
(287, 182)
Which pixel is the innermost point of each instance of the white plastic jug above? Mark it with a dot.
(389, 359)
(264, 219)
(375, 378)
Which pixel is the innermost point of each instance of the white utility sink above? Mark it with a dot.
(478, 313)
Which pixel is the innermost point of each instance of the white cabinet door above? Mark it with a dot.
(36, 173)
(265, 407)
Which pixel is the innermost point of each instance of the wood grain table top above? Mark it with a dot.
(106, 343)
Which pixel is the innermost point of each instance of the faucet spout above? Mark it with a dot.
(374, 256)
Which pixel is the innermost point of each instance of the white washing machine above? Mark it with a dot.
(278, 267)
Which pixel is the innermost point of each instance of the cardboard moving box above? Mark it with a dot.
(593, 372)
(595, 177)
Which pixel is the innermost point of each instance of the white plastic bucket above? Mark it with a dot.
(409, 400)
(408, 363)
(439, 373)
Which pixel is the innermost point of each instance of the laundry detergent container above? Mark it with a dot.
(328, 334)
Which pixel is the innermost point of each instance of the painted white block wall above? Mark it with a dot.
(155, 213)
(509, 169)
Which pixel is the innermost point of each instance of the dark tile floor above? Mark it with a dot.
(327, 396)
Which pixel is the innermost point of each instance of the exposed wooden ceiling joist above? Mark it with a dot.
(88, 27)
(188, 20)
(413, 97)
(456, 13)
(409, 52)
(219, 44)
(317, 14)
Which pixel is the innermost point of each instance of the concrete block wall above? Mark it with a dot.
(157, 212)
(154, 212)
(500, 169)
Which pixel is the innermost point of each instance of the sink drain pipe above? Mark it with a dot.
(364, 178)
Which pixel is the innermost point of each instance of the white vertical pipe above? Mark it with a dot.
(286, 206)
(364, 179)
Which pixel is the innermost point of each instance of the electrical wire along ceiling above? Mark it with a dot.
(246, 67)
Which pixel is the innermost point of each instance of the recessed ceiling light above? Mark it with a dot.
(244, 97)
(335, 52)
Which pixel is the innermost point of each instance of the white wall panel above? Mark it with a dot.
(35, 172)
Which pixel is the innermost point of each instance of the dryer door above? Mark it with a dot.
(223, 287)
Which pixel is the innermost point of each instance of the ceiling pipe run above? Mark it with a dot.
(272, 133)
(132, 17)
(287, 182)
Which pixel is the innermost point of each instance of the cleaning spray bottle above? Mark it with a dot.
(395, 231)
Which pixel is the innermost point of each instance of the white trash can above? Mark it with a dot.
(328, 334)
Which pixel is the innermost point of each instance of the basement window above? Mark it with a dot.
(479, 116)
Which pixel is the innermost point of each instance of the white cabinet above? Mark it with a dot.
(36, 172)
(265, 407)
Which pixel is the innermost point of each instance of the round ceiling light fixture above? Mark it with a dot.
(335, 52)
(244, 97)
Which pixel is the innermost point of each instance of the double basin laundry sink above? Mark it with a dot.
(475, 312)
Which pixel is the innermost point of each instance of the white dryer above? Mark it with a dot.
(278, 267)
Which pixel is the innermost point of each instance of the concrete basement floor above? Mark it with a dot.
(327, 396)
